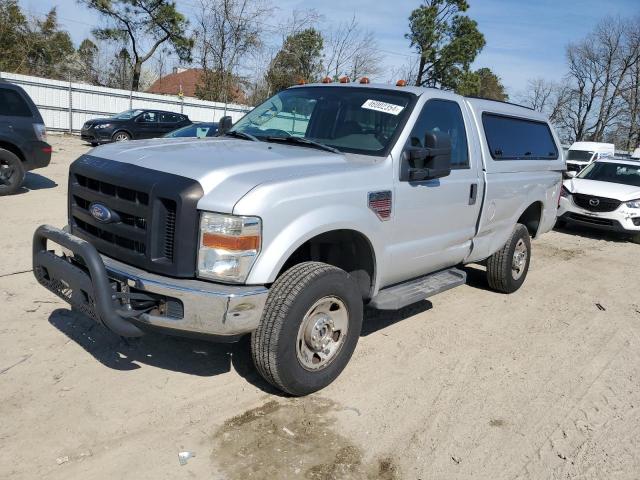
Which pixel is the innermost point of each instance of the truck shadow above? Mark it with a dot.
(186, 355)
(376, 320)
(181, 355)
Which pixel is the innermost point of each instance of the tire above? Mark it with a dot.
(502, 272)
(94, 144)
(120, 136)
(306, 296)
(636, 238)
(12, 173)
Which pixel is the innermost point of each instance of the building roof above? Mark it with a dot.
(188, 80)
(170, 84)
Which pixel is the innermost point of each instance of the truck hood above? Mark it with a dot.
(597, 188)
(228, 168)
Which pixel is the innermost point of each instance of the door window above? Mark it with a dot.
(443, 116)
(169, 118)
(12, 104)
(149, 117)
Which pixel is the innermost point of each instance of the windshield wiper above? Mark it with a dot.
(302, 141)
(239, 134)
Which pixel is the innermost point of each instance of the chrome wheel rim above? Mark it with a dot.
(322, 333)
(519, 260)
(121, 137)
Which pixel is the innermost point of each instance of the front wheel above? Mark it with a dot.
(12, 173)
(508, 267)
(309, 328)
(121, 137)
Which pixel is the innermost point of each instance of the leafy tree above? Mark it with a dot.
(120, 70)
(51, 49)
(14, 30)
(446, 41)
(481, 83)
(37, 47)
(299, 59)
(87, 59)
(145, 25)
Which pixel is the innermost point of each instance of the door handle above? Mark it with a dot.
(473, 193)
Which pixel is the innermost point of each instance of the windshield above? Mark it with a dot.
(581, 155)
(128, 114)
(195, 130)
(350, 119)
(612, 172)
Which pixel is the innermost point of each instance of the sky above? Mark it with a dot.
(525, 39)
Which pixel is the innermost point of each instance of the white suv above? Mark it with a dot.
(605, 195)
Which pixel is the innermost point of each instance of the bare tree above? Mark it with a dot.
(227, 31)
(598, 80)
(351, 51)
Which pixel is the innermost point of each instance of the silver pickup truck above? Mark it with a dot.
(322, 200)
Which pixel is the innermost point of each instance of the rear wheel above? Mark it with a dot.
(12, 173)
(121, 137)
(508, 267)
(309, 328)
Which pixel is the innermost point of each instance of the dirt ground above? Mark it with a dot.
(473, 384)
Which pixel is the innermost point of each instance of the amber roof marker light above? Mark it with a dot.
(344, 80)
(327, 80)
(401, 83)
(364, 81)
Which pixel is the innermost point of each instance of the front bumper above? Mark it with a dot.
(126, 299)
(93, 135)
(623, 219)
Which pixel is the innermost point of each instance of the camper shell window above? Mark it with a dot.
(514, 138)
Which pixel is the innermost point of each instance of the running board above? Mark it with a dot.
(413, 291)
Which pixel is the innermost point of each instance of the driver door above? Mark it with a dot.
(147, 125)
(436, 219)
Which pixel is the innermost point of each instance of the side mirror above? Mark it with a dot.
(224, 125)
(428, 163)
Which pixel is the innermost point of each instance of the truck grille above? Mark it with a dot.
(153, 217)
(595, 204)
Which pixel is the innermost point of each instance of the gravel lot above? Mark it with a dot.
(474, 384)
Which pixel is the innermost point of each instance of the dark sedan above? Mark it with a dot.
(132, 125)
(197, 130)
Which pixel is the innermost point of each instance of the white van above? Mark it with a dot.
(580, 154)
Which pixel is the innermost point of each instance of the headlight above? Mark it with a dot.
(634, 203)
(229, 246)
(104, 125)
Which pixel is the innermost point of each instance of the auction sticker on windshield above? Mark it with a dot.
(384, 107)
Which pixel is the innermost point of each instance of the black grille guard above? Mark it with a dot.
(90, 291)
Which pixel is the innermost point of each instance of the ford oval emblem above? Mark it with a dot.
(100, 212)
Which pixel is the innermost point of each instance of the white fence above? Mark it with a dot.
(65, 106)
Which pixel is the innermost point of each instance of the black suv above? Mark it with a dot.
(132, 125)
(22, 138)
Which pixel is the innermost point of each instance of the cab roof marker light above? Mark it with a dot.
(401, 83)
